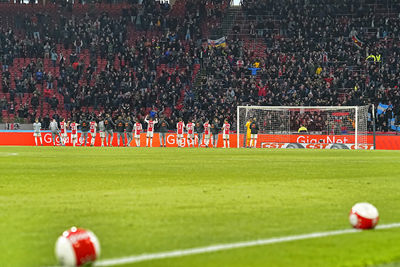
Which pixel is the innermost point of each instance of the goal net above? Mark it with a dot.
(305, 127)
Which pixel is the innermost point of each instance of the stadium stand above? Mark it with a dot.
(70, 59)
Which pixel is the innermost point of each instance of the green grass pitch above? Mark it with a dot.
(139, 200)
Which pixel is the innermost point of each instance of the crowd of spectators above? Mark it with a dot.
(309, 58)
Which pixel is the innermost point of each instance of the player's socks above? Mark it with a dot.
(147, 141)
(41, 142)
(36, 141)
(151, 142)
(228, 144)
(73, 142)
(251, 142)
(255, 143)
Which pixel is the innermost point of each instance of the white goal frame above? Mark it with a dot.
(355, 108)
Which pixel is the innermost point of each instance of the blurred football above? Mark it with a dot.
(363, 216)
(77, 247)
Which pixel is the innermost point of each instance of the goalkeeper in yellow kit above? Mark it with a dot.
(248, 134)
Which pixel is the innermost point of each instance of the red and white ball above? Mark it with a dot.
(363, 216)
(77, 247)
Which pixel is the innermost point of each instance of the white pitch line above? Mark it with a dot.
(6, 154)
(228, 246)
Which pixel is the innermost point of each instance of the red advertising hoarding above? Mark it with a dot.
(391, 142)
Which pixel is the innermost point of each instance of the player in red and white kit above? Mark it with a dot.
(74, 132)
(93, 131)
(190, 133)
(137, 128)
(150, 130)
(180, 126)
(225, 133)
(207, 132)
(63, 129)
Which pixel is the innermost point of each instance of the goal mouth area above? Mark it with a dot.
(340, 127)
(316, 146)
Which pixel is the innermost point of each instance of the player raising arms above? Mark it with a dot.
(207, 132)
(63, 130)
(74, 131)
(190, 133)
(93, 131)
(36, 131)
(179, 132)
(225, 133)
(150, 130)
(254, 133)
(137, 129)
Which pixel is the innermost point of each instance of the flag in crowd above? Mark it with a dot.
(357, 41)
(217, 42)
(382, 108)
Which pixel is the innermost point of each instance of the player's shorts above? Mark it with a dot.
(74, 136)
(137, 136)
(179, 135)
(190, 136)
(93, 134)
(254, 136)
(102, 134)
(37, 134)
(225, 136)
(207, 136)
(150, 134)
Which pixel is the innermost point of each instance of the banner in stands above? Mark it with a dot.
(392, 142)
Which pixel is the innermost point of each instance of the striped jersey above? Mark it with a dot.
(74, 128)
(179, 127)
(190, 128)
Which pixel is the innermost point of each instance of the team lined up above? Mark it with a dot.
(127, 131)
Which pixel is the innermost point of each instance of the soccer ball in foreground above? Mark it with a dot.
(77, 247)
(363, 216)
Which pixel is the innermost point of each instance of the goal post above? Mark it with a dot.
(328, 127)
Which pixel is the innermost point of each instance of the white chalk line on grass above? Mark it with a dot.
(228, 246)
(7, 154)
